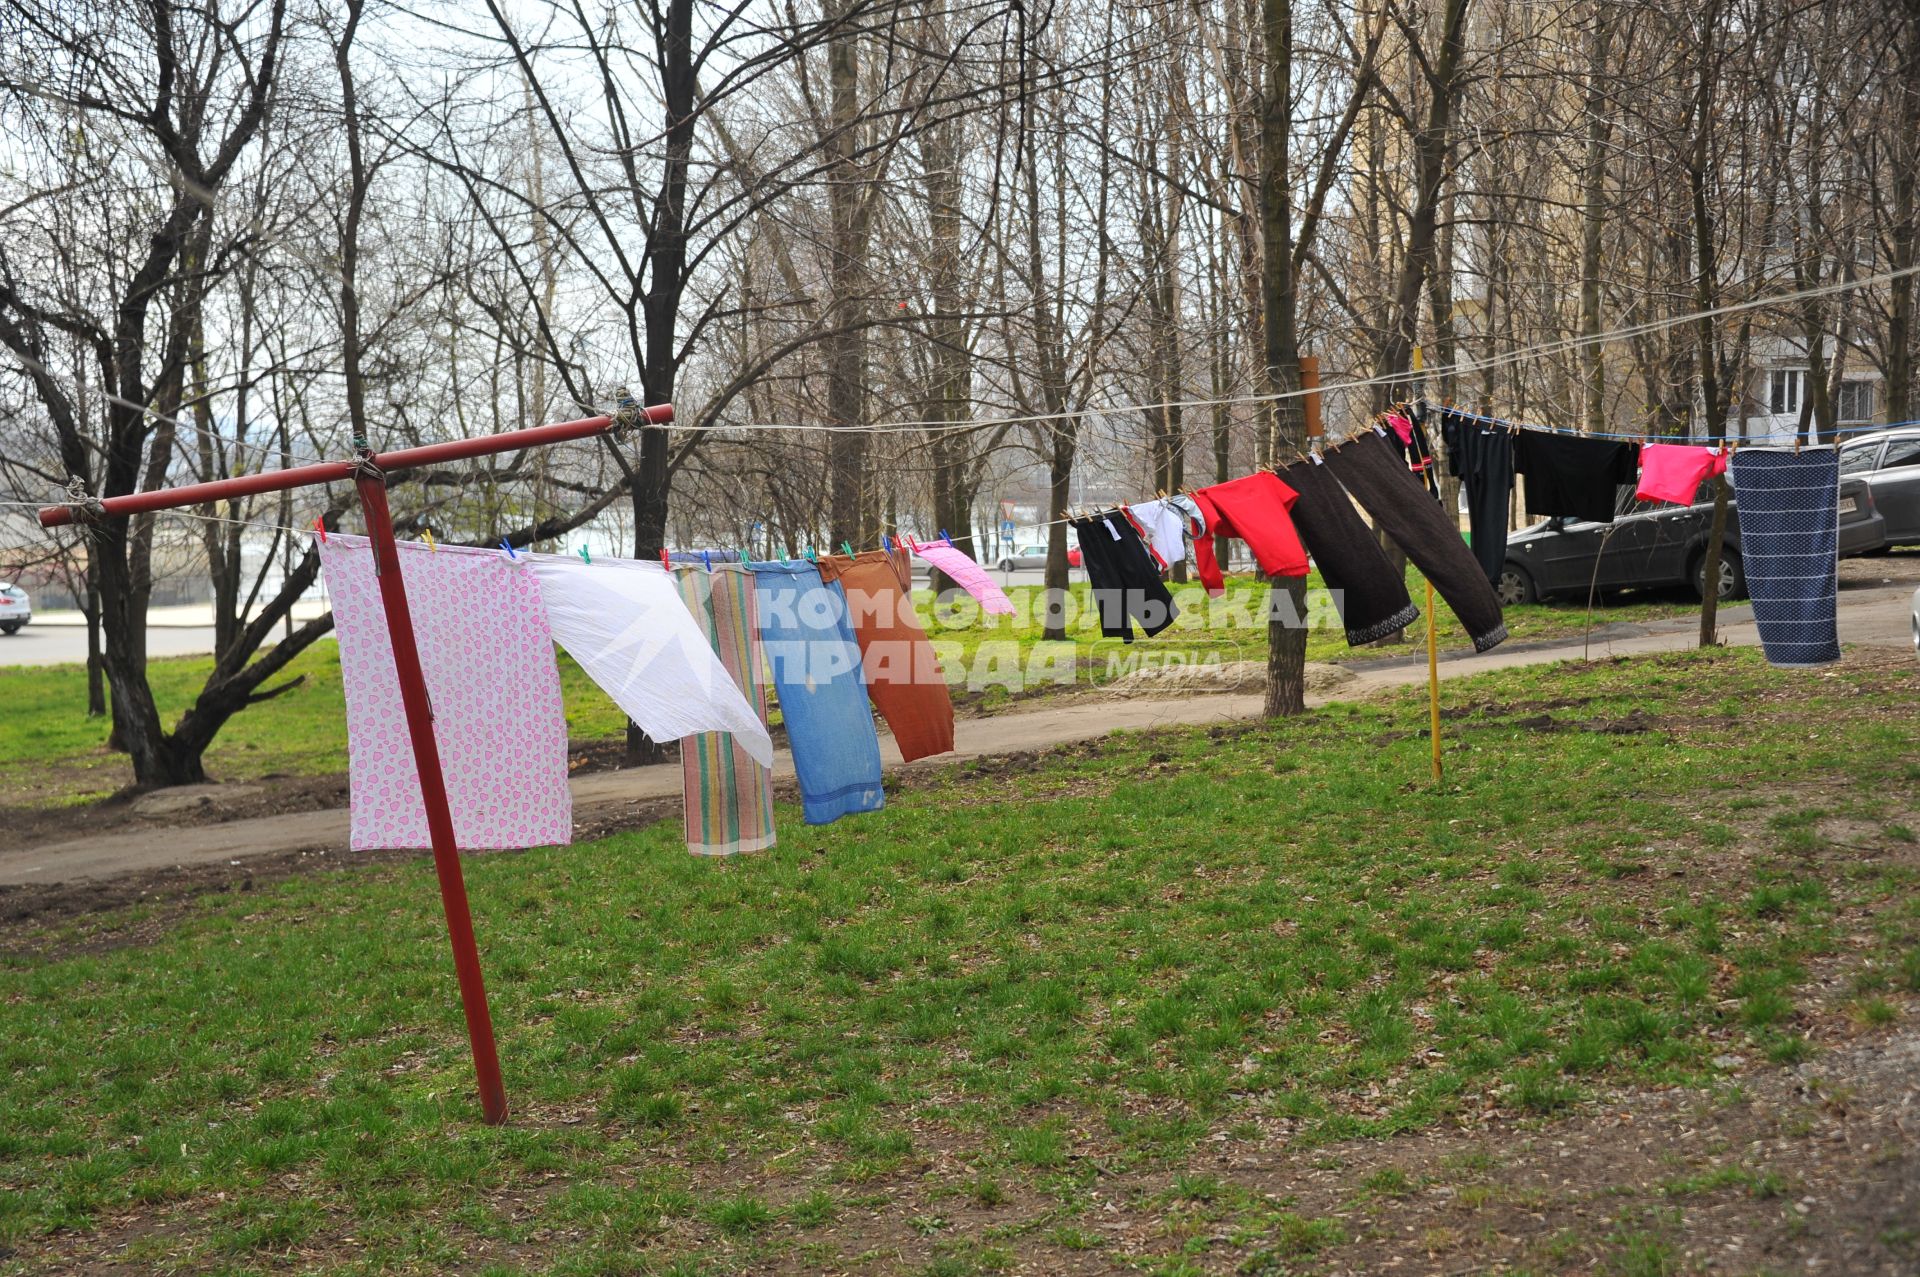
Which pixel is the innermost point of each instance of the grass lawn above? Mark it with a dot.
(938, 1034)
(51, 754)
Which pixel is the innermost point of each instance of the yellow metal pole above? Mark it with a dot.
(1433, 681)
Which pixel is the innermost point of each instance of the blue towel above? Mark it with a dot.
(1788, 504)
(817, 681)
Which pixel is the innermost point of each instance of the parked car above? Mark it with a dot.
(1034, 557)
(1652, 544)
(1888, 462)
(1916, 622)
(15, 608)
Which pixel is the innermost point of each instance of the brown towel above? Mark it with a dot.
(902, 674)
(1377, 476)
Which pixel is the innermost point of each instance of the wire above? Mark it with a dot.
(1651, 438)
(1461, 367)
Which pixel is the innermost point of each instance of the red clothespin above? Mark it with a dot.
(663, 561)
(321, 527)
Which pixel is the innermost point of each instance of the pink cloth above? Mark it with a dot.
(1403, 427)
(488, 659)
(970, 576)
(1674, 472)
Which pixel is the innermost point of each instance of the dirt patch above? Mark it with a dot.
(54, 920)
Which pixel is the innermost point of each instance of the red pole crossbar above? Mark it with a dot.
(248, 485)
(371, 484)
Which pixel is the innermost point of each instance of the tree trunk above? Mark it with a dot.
(660, 305)
(847, 203)
(1592, 216)
(96, 681)
(1286, 627)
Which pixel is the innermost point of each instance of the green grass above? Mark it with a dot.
(53, 755)
(1009, 983)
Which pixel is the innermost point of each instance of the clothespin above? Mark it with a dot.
(663, 561)
(810, 555)
(320, 526)
(886, 543)
(428, 534)
(707, 559)
(945, 537)
(848, 547)
(508, 549)
(585, 557)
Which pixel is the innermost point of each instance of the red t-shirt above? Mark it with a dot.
(1254, 508)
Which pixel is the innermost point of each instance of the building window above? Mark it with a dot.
(1783, 399)
(1856, 401)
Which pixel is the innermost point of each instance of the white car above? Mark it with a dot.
(15, 609)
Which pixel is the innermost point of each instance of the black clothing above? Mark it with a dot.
(1379, 480)
(1480, 455)
(1574, 475)
(1417, 449)
(1125, 580)
(1371, 595)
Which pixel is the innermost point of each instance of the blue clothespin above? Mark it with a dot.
(585, 557)
(945, 537)
(707, 559)
(508, 549)
(887, 542)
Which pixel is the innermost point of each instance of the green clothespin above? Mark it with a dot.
(585, 557)
(848, 547)
(810, 555)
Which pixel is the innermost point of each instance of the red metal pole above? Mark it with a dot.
(372, 487)
(337, 471)
(433, 792)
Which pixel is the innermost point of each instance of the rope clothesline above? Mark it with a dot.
(1460, 367)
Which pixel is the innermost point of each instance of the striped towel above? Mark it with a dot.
(1788, 504)
(729, 796)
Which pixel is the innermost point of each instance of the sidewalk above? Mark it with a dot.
(1874, 617)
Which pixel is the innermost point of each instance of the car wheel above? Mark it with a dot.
(1006, 565)
(10, 628)
(1733, 581)
(1514, 587)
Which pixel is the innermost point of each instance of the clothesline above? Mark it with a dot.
(1644, 437)
(1409, 377)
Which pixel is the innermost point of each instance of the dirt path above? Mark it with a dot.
(1873, 615)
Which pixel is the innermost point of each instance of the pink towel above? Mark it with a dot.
(1674, 472)
(487, 655)
(970, 575)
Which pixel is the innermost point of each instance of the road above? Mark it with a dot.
(60, 638)
(1871, 614)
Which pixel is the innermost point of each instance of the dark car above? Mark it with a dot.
(1651, 543)
(1888, 462)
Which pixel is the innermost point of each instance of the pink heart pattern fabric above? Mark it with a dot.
(487, 654)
